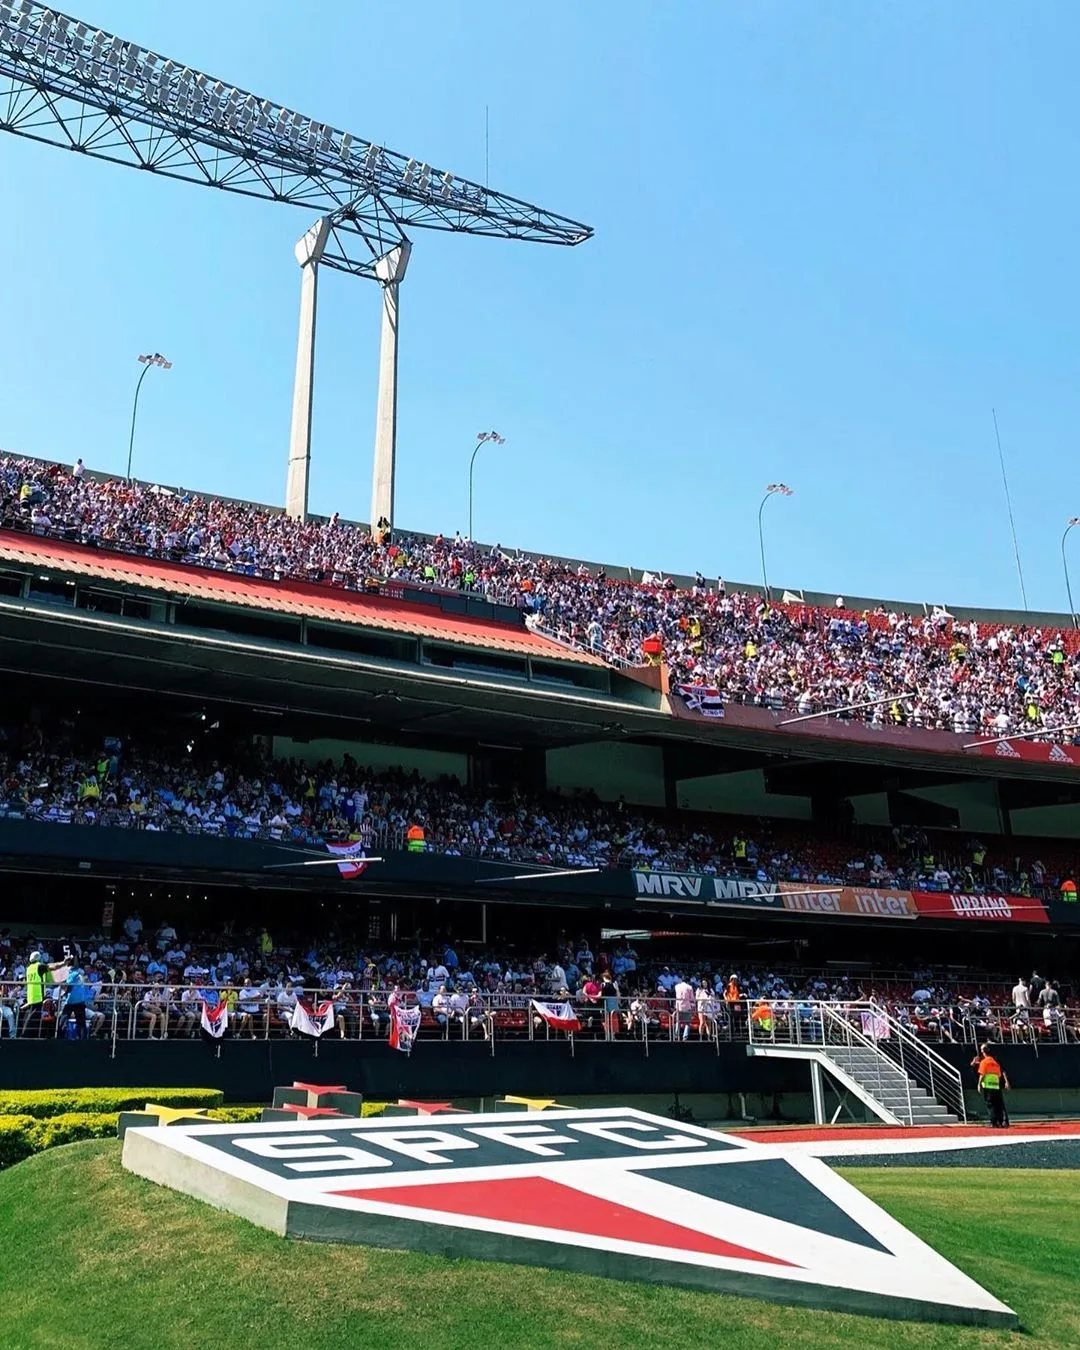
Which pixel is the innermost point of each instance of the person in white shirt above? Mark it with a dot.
(1021, 994)
(684, 1009)
(283, 1007)
(706, 1010)
(440, 1006)
(459, 1006)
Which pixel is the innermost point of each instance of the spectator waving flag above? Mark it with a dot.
(215, 1018)
(353, 863)
(313, 1019)
(701, 698)
(404, 1024)
(560, 1016)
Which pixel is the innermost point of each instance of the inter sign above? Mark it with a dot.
(611, 1191)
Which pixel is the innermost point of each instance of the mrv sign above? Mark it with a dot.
(610, 1191)
(707, 890)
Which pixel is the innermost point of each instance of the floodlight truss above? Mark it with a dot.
(66, 83)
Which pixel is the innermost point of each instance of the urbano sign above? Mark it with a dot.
(986, 908)
(608, 1191)
(706, 890)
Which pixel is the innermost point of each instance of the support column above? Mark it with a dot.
(308, 253)
(817, 1088)
(389, 271)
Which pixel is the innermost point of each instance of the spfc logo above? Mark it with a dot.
(610, 1191)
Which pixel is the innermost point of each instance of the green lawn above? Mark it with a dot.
(91, 1256)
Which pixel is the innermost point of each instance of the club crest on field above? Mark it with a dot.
(611, 1191)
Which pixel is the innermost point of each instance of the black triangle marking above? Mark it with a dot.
(771, 1187)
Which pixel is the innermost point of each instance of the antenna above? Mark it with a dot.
(1008, 503)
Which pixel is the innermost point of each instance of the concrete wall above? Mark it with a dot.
(611, 769)
(429, 763)
(739, 794)
(1055, 822)
(976, 802)
(871, 808)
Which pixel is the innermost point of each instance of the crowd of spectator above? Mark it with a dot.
(64, 773)
(932, 671)
(157, 980)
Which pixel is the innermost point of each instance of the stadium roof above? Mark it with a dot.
(297, 598)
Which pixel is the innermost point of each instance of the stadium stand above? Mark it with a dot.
(968, 677)
(71, 774)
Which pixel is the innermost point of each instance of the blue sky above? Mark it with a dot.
(830, 237)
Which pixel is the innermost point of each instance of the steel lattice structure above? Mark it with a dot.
(68, 84)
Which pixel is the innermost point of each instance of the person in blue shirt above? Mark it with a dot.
(78, 994)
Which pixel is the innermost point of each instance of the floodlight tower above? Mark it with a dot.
(68, 84)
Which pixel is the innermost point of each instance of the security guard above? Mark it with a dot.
(992, 1084)
(38, 978)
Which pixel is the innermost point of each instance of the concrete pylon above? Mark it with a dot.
(309, 252)
(389, 271)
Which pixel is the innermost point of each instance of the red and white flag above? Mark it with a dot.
(353, 863)
(404, 1024)
(313, 1019)
(560, 1016)
(215, 1018)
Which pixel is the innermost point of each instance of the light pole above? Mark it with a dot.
(482, 438)
(1065, 564)
(772, 490)
(151, 359)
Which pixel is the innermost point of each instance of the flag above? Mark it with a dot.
(404, 1024)
(560, 1016)
(313, 1019)
(875, 1025)
(700, 698)
(215, 1018)
(61, 974)
(354, 864)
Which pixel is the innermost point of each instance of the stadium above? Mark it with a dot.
(344, 847)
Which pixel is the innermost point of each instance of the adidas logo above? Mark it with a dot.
(1059, 756)
(1007, 751)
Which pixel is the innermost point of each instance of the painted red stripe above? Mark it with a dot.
(550, 1204)
(884, 1132)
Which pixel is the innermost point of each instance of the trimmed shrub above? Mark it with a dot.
(236, 1115)
(46, 1102)
(16, 1142)
(72, 1125)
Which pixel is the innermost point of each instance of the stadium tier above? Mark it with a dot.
(224, 718)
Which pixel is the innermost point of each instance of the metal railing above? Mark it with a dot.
(890, 1056)
(924, 1065)
(138, 1011)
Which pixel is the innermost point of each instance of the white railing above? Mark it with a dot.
(893, 1056)
(922, 1063)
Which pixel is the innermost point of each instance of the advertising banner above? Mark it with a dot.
(981, 908)
(706, 890)
(1034, 752)
(859, 902)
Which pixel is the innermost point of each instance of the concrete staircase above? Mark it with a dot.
(886, 1084)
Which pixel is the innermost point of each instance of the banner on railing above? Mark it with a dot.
(215, 1018)
(860, 902)
(313, 1019)
(558, 1016)
(875, 1025)
(404, 1024)
(981, 908)
(1034, 752)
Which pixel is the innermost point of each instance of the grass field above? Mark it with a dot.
(91, 1256)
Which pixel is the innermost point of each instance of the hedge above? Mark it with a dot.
(46, 1102)
(23, 1135)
